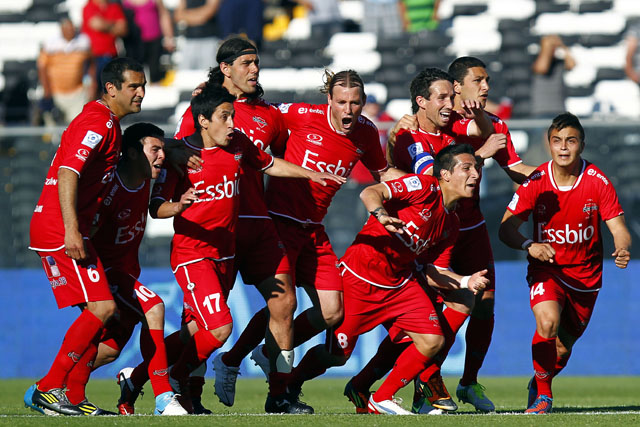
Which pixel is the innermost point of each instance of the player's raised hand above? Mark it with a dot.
(542, 252)
(471, 108)
(622, 257)
(478, 281)
(322, 177)
(408, 121)
(74, 245)
(491, 146)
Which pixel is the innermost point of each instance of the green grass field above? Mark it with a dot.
(578, 400)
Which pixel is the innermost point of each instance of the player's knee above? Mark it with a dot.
(429, 345)
(155, 316)
(106, 354)
(334, 316)
(103, 310)
(283, 307)
(547, 327)
(223, 332)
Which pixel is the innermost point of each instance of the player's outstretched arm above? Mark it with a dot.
(510, 236)
(160, 208)
(518, 173)
(621, 240)
(285, 169)
(372, 197)
(481, 126)
(447, 279)
(388, 174)
(68, 196)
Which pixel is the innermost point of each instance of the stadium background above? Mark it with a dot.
(501, 32)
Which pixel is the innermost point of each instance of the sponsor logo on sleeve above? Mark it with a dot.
(412, 183)
(593, 172)
(82, 154)
(514, 202)
(91, 139)
(284, 108)
(415, 149)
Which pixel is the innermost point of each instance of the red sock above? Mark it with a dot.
(153, 350)
(248, 340)
(303, 330)
(379, 365)
(198, 350)
(78, 378)
(76, 341)
(478, 339)
(453, 321)
(173, 346)
(410, 363)
(561, 363)
(310, 366)
(544, 355)
(195, 386)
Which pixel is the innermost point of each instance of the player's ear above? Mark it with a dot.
(421, 101)
(225, 68)
(456, 87)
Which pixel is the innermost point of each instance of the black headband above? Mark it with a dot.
(231, 58)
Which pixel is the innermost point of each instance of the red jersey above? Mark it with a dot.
(102, 42)
(314, 144)
(121, 221)
(207, 228)
(415, 149)
(90, 147)
(569, 220)
(468, 210)
(262, 123)
(386, 260)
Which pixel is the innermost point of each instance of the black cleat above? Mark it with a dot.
(286, 404)
(90, 409)
(198, 409)
(54, 400)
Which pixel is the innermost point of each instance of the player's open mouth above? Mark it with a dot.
(446, 115)
(346, 122)
(253, 81)
(158, 166)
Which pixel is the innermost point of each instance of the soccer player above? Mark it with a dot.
(80, 171)
(120, 224)
(567, 197)
(203, 247)
(411, 217)
(259, 257)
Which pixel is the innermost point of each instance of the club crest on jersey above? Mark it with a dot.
(589, 208)
(124, 214)
(237, 157)
(91, 139)
(412, 183)
(314, 139)
(260, 121)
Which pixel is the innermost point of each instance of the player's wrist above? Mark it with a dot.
(378, 212)
(526, 245)
(464, 282)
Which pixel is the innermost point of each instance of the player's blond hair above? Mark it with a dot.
(345, 78)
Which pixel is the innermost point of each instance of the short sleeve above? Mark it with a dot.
(411, 155)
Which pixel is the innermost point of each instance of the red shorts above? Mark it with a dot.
(74, 282)
(310, 254)
(399, 310)
(133, 300)
(577, 306)
(206, 285)
(472, 252)
(259, 252)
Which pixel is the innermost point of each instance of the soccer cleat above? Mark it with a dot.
(54, 400)
(433, 393)
(359, 398)
(257, 355)
(225, 382)
(28, 402)
(387, 407)
(198, 409)
(533, 391)
(167, 404)
(181, 389)
(128, 393)
(286, 404)
(90, 409)
(542, 405)
(474, 395)
(425, 409)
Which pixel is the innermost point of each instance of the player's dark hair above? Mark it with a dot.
(134, 134)
(345, 78)
(113, 72)
(206, 102)
(228, 52)
(446, 158)
(566, 120)
(421, 84)
(460, 67)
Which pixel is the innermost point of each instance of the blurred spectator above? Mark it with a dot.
(242, 17)
(62, 64)
(150, 30)
(382, 17)
(324, 16)
(632, 65)
(198, 19)
(419, 15)
(547, 87)
(103, 21)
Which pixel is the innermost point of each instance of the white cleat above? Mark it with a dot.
(167, 404)
(261, 360)
(387, 407)
(426, 409)
(225, 382)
